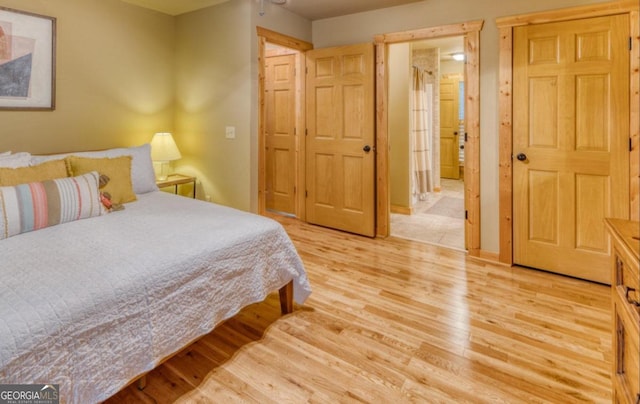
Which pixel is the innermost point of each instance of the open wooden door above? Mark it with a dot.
(570, 143)
(449, 127)
(280, 137)
(340, 154)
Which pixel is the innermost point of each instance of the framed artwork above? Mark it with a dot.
(27, 60)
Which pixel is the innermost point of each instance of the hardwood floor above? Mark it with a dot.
(398, 321)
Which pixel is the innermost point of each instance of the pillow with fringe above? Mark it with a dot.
(24, 175)
(36, 205)
(118, 169)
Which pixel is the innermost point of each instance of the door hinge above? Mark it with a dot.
(466, 137)
(466, 215)
(306, 194)
(306, 131)
(630, 144)
(630, 43)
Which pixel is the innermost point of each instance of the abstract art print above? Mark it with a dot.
(27, 60)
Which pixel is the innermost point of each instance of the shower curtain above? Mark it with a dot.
(422, 103)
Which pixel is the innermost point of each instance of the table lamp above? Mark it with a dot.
(163, 151)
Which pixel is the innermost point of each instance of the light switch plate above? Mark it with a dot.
(230, 132)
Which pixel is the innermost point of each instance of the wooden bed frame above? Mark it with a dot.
(286, 307)
(285, 294)
(286, 298)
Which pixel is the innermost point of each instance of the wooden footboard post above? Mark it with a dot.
(286, 298)
(142, 382)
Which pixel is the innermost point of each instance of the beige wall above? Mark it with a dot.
(451, 67)
(216, 81)
(362, 27)
(114, 78)
(399, 153)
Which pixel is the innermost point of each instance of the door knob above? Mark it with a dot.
(521, 157)
(367, 149)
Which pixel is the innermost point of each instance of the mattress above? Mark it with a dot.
(93, 303)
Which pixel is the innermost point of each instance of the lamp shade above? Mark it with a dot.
(163, 147)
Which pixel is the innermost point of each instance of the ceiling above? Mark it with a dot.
(310, 9)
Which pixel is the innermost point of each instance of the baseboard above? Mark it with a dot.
(402, 210)
(486, 256)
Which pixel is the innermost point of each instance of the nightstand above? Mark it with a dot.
(177, 179)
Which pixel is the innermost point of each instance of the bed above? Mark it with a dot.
(93, 304)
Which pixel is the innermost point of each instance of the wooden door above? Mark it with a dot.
(449, 127)
(280, 138)
(571, 142)
(340, 138)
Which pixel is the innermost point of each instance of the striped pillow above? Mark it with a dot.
(36, 205)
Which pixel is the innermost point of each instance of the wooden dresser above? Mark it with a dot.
(625, 294)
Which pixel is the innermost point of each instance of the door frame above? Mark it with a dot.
(471, 33)
(505, 105)
(264, 36)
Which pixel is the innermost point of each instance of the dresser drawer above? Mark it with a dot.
(625, 295)
(626, 372)
(626, 277)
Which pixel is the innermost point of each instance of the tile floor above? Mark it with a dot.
(438, 220)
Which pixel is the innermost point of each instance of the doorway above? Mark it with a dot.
(281, 138)
(470, 31)
(270, 44)
(426, 119)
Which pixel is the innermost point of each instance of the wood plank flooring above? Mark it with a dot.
(394, 321)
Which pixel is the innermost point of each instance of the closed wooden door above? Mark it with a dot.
(280, 138)
(571, 142)
(449, 127)
(340, 138)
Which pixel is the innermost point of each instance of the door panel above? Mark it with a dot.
(340, 123)
(570, 103)
(280, 137)
(543, 206)
(449, 126)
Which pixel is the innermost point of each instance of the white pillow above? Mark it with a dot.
(5, 153)
(143, 178)
(17, 160)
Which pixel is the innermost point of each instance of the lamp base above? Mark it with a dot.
(164, 171)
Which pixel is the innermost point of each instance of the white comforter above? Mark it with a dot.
(93, 303)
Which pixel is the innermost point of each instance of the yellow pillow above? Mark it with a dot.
(118, 170)
(50, 170)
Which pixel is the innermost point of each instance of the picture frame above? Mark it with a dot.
(27, 61)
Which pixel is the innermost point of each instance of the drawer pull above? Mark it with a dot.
(629, 299)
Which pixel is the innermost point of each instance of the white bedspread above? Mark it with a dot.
(93, 303)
